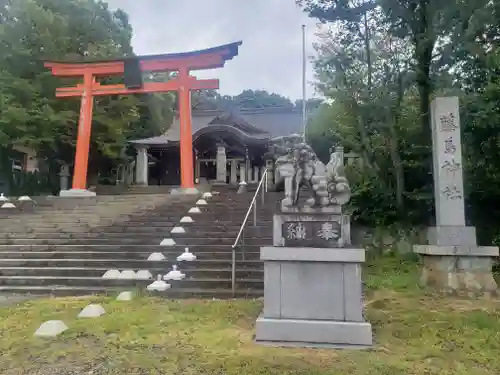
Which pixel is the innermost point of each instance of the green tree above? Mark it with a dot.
(473, 57)
(36, 30)
(247, 99)
(261, 99)
(371, 111)
(380, 105)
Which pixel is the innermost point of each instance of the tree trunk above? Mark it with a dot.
(368, 54)
(424, 41)
(398, 167)
(394, 147)
(425, 91)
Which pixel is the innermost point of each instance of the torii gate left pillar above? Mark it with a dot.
(132, 68)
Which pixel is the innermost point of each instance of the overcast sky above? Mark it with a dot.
(270, 57)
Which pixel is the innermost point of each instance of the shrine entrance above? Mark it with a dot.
(132, 69)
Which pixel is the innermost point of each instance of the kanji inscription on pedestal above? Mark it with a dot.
(312, 233)
(447, 155)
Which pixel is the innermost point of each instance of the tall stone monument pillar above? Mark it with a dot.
(312, 275)
(221, 162)
(141, 166)
(452, 261)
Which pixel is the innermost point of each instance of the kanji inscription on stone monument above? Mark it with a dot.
(296, 231)
(447, 155)
(448, 121)
(449, 147)
(329, 231)
(451, 166)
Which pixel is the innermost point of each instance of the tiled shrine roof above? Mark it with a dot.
(252, 126)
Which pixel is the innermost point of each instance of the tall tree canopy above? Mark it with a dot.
(32, 31)
(379, 64)
(247, 99)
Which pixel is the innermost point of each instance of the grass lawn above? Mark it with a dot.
(415, 333)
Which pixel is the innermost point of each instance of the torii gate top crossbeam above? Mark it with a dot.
(210, 58)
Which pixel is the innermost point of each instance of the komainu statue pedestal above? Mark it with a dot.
(313, 293)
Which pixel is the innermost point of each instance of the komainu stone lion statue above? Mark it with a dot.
(300, 169)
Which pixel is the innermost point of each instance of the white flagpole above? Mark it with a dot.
(304, 67)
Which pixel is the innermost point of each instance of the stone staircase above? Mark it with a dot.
(64, 248)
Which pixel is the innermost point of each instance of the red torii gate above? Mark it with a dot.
(132, 68)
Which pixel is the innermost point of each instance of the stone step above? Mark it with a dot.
(130, 238)
(86, 210)
(97, 281)
(132, 249)
(132, 230)
(185, 240)
(89, 209)
(178, 292)
(66, 251)
(130, 255)
(135, 207)
(56, 218)
(123, 263)
(226, 219)
(144, 219)
(119, 237)
(97, 272)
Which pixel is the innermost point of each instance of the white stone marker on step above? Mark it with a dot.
(186, 256)
(156, 257)
(178, 230)
(201, 202)
(167, 242)
(8, 205)
(128, 275)
(51, 328)
(111, 275)
(187, 219)
(125, 296)
(92, 311)
(24, 198)
(144, 275)
(207, 195)
(158, 286)
(194, 210)
(175, 274)
(3, 198)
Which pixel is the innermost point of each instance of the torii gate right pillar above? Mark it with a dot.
(186, 132)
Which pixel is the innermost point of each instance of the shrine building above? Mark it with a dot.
(228, 146)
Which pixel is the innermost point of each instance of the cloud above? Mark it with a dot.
(270, 57)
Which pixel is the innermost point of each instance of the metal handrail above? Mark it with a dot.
(263, 185)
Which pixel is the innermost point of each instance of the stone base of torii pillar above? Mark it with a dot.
(77, 193)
